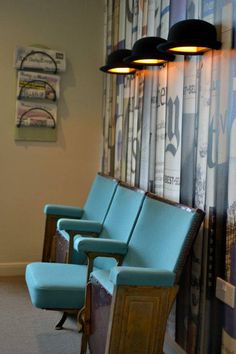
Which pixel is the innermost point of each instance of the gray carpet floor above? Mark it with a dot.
(27, 330)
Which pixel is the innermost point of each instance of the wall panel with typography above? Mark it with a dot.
(171, 129)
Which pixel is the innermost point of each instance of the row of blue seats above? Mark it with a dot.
(133, 266)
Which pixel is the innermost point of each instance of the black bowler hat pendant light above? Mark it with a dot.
(191, 37)
(115, 63)
(145, 52)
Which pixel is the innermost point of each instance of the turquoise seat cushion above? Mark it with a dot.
(55, 285)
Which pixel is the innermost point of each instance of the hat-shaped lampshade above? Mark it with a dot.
(145, 52)
(116, 65)
(191, 37)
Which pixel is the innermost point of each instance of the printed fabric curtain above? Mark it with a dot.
(171, 130)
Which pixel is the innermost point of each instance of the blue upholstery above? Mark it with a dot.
(132, 276)
(95, 208)
(96, 205)
(163, 225)
(154, 248)
(79, 225)
(154, 252)
(141, 276)
(127, 307)
(99, 198)
(70, 211)
(120, 220)
(50, 284)
(89, 244)
(118, 223)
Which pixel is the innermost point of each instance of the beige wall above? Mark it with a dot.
(34, 173)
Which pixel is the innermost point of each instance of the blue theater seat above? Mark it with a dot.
(62, 286)
(95, 208)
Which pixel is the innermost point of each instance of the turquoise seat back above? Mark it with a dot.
(120, 219)
(99, 198)
(163, 231)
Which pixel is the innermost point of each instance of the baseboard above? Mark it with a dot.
(171, 347)
(12, 269)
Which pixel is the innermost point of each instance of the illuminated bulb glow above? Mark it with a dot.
(122, 70)
(189, 49)
(149, 61)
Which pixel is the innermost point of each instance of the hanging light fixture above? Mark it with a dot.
(115, 63)
(191, 37)
(145, 52)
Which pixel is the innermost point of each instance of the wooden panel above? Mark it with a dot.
(138, 319)
(136, 331)
(100, 311)
(51, 240)
(50, 230)
(61, 246)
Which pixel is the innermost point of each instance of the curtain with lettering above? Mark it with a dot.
(171, 130)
